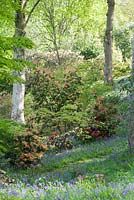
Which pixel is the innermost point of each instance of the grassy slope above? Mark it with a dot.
(72, 174)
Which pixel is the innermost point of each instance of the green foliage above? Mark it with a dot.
(55, 98)
(59, 141)
(89, 46)
(83, 134)
(9, 197)
(8, 42)
(68, 117)
(90, 92)
(5, 86)
(7, 63)
(52, 93)
(99, 170)
(62, 98)
(5, 105)
(103, 119)
(8, 131)
(62, 121)
(91, 72)
(90, 52)
(122, 41)
(121, 69)
(126, 84)
(22, 147)
(7, 16)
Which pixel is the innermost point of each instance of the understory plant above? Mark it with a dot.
(29, 149)
(55, 99)
(60, 141)
(103, 121)
(20, 146)
(8, 131)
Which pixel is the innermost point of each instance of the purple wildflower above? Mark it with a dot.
(131, 186)
(14, 193)
(125, 192)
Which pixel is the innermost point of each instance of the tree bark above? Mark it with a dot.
(108, 43)
(17, 113)
(131, 104)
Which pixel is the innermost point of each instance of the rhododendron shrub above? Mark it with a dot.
(29, 149)
(102, 122)
(55, 99)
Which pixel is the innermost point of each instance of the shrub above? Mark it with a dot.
(91, 72)
(83, 134)
(19, 145)
(55, 99)
(89, 46)
(49, 59)
(5, 105)
(52, 93)
(121, 69)
(90, 52)
(29, 149)
(122, 41)
(87, 134)
(59, 141)
(8, 131)
(66, 119)
(105, 116)
(5, 86)
(92, 91)
(103, 119)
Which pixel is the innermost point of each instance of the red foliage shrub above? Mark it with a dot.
(29, 149)
(103, 121)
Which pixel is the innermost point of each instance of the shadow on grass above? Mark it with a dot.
(110, 158)
(113, 167)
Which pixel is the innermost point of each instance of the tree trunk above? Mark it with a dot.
(17, 113)
(108, 43)
(131, 103)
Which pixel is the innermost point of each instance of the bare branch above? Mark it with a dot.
(33, 8)
(48, 38)
(24, 3)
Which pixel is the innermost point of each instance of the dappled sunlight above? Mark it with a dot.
(67, 78)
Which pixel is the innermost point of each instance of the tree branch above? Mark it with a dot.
(24, 4)
(33, 8)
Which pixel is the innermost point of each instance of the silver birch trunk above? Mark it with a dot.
(108, 43)
(18, 100)
(17, 113)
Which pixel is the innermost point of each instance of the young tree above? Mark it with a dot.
(19, 53)
(53, 24)
(108, 42)
(56, 21)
